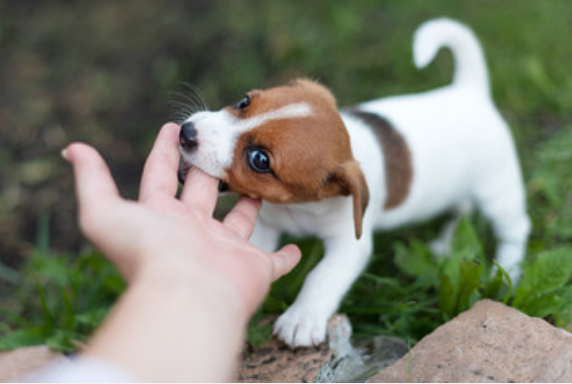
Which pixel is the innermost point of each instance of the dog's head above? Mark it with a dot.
(285, 145)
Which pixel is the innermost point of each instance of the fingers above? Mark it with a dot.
(200, 192)
(284, 260)
(242, 218)
(160, 171)
(95, 187)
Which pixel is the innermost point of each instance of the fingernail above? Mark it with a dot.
(64, 153)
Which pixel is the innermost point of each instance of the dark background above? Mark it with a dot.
(109, 72)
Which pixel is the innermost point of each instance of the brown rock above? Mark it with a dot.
(24, 361)
(489, 343)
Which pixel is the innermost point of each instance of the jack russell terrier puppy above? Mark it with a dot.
(380, 165)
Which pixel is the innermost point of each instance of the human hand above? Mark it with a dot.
(160, 234)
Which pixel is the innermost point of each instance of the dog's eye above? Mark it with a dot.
(243, 103)
(258, 160)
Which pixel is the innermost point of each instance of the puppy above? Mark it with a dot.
(380, 165)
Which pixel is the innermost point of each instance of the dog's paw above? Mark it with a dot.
(301, 328)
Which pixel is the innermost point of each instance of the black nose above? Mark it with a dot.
(188, 136)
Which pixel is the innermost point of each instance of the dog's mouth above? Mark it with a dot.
(185, 167)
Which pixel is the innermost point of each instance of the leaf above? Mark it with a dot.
(550, 271)
(544, 305)
(447, 297)
(470, 276)
(23, 337)
(466, 244)
(455, 296)
(416, 261)
(495, 288)
(259, 330)
(63, 340)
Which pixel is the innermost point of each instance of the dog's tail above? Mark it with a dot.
(470, 65)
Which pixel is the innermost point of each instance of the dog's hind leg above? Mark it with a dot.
(504, 206)
(441, 246)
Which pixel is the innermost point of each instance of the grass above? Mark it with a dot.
(111, 90)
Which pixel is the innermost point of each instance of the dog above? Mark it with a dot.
(386, 163)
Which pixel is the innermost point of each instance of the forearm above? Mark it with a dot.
(167, 328)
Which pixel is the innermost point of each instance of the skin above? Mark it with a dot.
(193, 282)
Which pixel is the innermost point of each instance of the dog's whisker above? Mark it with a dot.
(192, 95)
(187, 102)
(197, 94)
(188, 99)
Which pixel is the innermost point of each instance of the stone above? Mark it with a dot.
(275, 362)
(21, 362)
(338, 360)
(489, 343)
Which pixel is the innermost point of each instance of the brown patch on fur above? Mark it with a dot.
(311, 157)
(398, 163)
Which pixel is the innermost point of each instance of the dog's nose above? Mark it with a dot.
(188, 136)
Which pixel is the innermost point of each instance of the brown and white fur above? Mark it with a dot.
(383, 164)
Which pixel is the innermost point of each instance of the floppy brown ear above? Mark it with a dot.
(351, 181)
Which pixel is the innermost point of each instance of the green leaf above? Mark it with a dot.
(495, 288)
(447, 297)
(455, 293)
(468, 284)
(259, 330)
(543, 305)
(416, 261)
(63, 340)
(466, 244)
(550, 271)
(24, 337)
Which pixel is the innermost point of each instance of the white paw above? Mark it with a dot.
(299, 327)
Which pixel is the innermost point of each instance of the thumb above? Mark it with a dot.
(284, 260)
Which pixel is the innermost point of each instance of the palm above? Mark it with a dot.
(133, 234)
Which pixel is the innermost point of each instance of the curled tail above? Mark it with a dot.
(470, 65)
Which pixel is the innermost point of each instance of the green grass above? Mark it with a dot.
(59, 299)
(112, 88)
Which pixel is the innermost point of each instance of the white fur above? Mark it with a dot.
(462, 154)
(217, 142)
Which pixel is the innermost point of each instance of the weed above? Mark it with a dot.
(62, 300)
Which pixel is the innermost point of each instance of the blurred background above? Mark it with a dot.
(111, 73)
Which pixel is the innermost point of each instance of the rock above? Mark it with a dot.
(23, 361)
(276, 362)
(336, 361)
(489, 343)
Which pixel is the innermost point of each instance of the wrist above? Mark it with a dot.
(185, 316)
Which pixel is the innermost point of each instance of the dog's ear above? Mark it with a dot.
(349, 180)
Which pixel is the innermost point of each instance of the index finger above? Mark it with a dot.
(160, 171)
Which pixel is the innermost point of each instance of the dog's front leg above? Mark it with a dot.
(304, 323)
